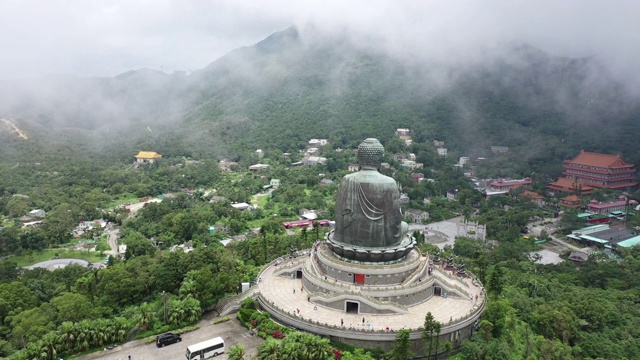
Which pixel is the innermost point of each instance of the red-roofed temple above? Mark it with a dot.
(592, 170)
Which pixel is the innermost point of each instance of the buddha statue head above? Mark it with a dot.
(370, 154)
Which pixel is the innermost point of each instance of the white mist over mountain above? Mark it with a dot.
(96, 38)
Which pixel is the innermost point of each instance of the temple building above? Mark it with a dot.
(145, 157)
(593, 170)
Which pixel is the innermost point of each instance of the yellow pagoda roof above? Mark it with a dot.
(148, 155)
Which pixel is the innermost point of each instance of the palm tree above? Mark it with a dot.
(236, 352)
(269, 350)
(66, 336)
(145, 317)
(49, 345)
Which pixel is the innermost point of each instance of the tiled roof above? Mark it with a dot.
(569, 184)
(599, 160)
(148, 155)
(532, 195)
(571, 198)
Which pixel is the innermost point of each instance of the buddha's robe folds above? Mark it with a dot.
(368, 210)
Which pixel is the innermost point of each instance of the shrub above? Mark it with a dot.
(221, 320)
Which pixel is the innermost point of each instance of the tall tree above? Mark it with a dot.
(402, 348)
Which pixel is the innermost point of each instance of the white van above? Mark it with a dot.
(205, 349)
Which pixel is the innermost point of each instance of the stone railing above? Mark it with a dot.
(373, 335)
(417, 273)
(378, 304)
(232, 303)
(370, 268)
(288, 265)
(318, 281)
(444, 275)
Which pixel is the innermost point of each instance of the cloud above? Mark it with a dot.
(105, 38)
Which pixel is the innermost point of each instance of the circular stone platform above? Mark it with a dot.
(364, 304)
(58, 264)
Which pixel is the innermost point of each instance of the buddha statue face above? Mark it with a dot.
(370, 154)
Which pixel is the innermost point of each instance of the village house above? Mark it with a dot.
(227, 165)
(499, 149)
(314, 160)
(217, 198)
(385, 165)
(318, 142)
(534, 197)
(259, 167)
(313, 151)
(417, 216)
(412, 165)
(326, 182)
(593, 170)
(451, 194)
(442, 151)
(571, 201)
(85, 226)
(241, 206)
(404, 199)
(408, 142)
(506, 185)
(275, 183)
(403, 132)
(146, 157)
(596, 207)
(37, 213)
(400, 157)
(578, 257)
(463, 160)
(353, 167)
(438, 143)
(417, 177)
(260, 153)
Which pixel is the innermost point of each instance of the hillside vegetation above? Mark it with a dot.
(294, 86)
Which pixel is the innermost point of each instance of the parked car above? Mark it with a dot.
(167, 339)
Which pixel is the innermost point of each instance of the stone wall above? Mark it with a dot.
(455, 332)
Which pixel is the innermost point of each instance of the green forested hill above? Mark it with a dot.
(291, 87)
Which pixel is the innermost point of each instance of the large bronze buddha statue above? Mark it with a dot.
(369, 224)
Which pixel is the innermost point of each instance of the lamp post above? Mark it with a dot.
(164, 301)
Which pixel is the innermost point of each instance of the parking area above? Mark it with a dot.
(231, 331)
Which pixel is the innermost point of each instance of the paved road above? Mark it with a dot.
(448, 227)
(231, 331)
(113, 242)
(133, 208)
(538, 226)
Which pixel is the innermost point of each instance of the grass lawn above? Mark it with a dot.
(7, 223)
(124, 199)
(36, 257)
(261, 201)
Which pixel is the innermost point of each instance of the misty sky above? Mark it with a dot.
(106, 38)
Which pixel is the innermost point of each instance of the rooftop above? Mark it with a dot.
(517, 182)
(570, 184)
(630, 242)
(148, 155)
(598, 160)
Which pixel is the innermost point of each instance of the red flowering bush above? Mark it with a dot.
(337, 354)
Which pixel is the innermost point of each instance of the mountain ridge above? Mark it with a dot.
(290, 87)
